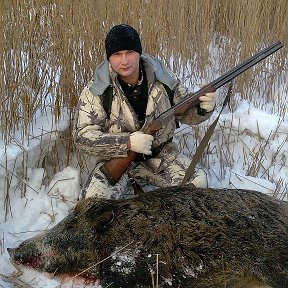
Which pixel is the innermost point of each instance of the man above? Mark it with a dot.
(140, 88)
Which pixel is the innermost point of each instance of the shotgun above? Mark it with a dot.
(114, 168)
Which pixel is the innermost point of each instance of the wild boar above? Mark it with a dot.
(187, 237)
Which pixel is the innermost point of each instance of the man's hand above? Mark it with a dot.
(208, 101)
(140, 142)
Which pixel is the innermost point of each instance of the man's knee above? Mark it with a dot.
(200, 179)
(98, 186)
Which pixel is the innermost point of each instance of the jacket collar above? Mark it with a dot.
(154, 68)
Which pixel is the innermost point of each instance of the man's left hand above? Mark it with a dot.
(208, 101)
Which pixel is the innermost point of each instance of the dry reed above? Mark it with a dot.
(50, 48)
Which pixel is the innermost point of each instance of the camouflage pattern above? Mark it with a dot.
(107, 138)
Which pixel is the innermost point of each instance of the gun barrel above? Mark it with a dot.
(233, 73)
(193, 99)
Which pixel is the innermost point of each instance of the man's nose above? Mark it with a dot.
(124, 59)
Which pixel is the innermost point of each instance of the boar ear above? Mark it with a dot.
(105, 219)
(100, 215)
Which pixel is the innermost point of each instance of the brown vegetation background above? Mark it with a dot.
(50, 48)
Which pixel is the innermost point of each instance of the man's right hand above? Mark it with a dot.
(140, 142)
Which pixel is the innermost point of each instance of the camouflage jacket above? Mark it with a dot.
(107, 138)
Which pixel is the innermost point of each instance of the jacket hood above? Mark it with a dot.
(102, 80)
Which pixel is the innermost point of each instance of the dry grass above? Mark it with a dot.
(2, 246)
(49, 50)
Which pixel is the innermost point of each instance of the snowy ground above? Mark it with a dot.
(248, 150)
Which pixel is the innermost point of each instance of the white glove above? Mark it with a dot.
(208, 101)
(141, 143)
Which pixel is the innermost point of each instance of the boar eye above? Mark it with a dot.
(70, 226)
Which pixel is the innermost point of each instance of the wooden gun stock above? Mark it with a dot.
(116, 167)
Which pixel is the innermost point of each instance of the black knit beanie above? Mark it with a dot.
(122, 37)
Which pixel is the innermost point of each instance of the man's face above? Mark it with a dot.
(126, 64)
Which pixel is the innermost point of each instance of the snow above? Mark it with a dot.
(254, 141)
